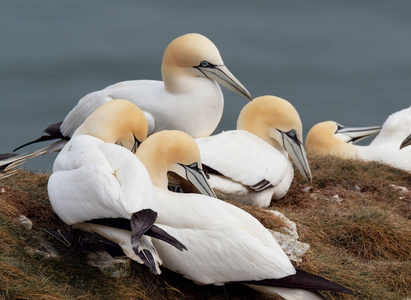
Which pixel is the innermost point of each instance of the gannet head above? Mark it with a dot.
(117, 121)
(176, 151)
(196, 56)
(335, 139)
(277, 122)
(406, 142)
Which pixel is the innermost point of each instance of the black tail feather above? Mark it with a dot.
(158, 233)
(303, 280)
(53, 133)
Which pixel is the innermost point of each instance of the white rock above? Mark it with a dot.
(113, 267)
(287, 238)
(402, 189)
(25, 222)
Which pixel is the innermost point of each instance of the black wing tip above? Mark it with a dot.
(304, 280)
(160, 234)
(142, 221)
(53, 133)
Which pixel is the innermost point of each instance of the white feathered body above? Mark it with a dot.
(385, 147)
(224, 243)
(253, 171)
(92, 179)
(196, 109)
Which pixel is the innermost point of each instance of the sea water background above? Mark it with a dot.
(348, 61)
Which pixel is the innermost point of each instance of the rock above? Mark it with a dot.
(293, 248)
(307, 189)
(44, 248)
(25, 222)
(287, 238)
(402, 189)
(113, 267)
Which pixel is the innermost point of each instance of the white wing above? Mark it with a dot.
(140, 92)
(224, 242)
(244, 158)
(385, 147)
(93, 180)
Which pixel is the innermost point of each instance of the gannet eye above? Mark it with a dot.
(292, 133)
(194, 165)
(205, 64)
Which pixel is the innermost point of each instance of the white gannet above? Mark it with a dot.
(93, 178)
(188, 98)
(251, 164)
(334, 139)
(225, 244)
(406, 142)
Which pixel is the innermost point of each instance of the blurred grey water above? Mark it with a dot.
(348, 61)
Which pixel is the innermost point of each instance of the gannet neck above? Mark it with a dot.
(165, 151)
(184, 53)
(321, 140)
(117, 121)
(265, 116)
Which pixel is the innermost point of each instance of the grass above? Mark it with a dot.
(356, 221)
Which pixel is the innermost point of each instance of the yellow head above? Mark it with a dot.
(277, 122)
(117, 121)
(193, 55)
(173, 150)
(331, 138)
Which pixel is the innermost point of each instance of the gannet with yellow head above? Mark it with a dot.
(331, 138)
(225, 243)
(188, 98)
(94, 179)
(251, 164)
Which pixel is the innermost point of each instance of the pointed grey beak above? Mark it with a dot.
(223, 76)
(197, 177)
(135, 145)
(406, 142)
(297, 152)
(356, 134)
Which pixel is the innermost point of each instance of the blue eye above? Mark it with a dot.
(205, 64)
(292, 133)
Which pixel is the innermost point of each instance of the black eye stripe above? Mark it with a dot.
(206, 64)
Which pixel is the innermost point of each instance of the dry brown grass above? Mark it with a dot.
(361, 239)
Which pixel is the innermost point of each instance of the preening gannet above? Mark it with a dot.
(93, 178)
(188, 98)
(334, 139)
(251, 164)
(225, 244)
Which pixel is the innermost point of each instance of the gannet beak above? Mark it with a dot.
(406, 142)
(197, 177)
(135, 145)
(223, 76)
(355, 134)
(297, 152)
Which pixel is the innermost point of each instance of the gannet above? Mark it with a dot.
(251, 164)
(334, 139)
(225, 243)
(188, 98)
(93, 178)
